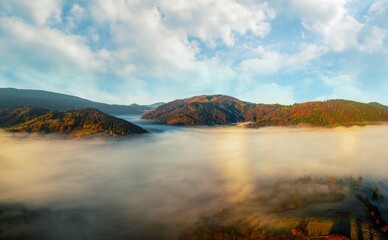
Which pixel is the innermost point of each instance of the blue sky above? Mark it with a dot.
(125, 51)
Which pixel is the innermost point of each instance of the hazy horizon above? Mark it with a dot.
(140, 103)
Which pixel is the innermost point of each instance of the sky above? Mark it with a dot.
(146, 51)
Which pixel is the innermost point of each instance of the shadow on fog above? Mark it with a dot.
(159, 185)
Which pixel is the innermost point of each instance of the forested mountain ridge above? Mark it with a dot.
(326, 113)
(76, 123)
(11, 97)
(221, 109)
(201, 110)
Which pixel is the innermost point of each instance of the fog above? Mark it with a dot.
(157, 185)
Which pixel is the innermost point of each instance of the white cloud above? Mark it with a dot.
(40, 57)
(152, 50)
(151, 41)
(330, 19)
(26, 44)
(268, 62)
(339, 29)
(210, 20)
(307, 53)
(155, 34)
(373, 39)
(149, 54)
(378, 13)
(40, 12)
(320, 15)
(75, 16)
(141, 39)
(375, 33)
(345, 87)
(265, 93)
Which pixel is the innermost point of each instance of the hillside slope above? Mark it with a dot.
(327, 113)
(220, 109)
(78, 123)
(200, 110)
(15, 116)
(10, 98)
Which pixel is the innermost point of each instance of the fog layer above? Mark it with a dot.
(168, 181)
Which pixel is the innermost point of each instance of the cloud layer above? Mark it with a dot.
(125, 51)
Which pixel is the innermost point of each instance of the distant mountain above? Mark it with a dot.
(378, 105)
(10, 97)
(15, 116)
(155, 105)
(201, 110)
(220, 109)
(327, 113)
(76, 123)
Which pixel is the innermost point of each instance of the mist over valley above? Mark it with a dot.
(169, 184)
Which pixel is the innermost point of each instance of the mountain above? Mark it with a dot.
(11, 97)
(15, 116)
(200, 110)
(260, 110)
(378, 105)
(155, 105)
(220, 109)
(327, 113)
(76, 123)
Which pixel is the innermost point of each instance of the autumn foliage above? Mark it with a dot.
(220, 109)
(82, 122)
